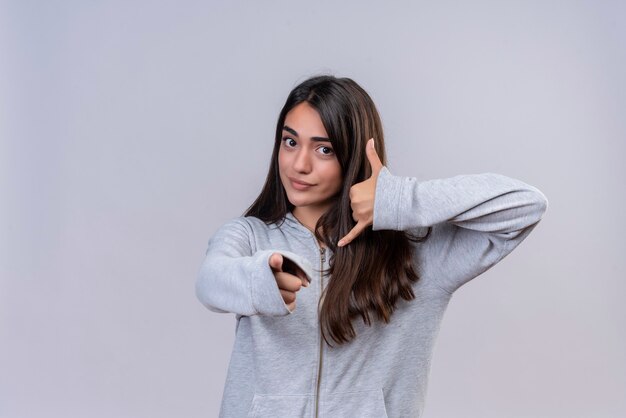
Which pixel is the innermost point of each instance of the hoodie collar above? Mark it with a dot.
(296, 225)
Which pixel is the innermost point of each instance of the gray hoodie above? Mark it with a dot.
(280, 366)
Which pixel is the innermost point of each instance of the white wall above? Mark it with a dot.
(130, 131)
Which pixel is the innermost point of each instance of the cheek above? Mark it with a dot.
(281, 161)
(339, 183)
(335, 179)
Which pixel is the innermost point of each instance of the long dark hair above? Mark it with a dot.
(375, 269)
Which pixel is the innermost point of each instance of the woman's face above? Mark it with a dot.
(309, 169)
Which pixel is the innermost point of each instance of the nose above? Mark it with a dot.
(302, 162)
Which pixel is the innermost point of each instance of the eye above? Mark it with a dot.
(289, 142)
(326, 150)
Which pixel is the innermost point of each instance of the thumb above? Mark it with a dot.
(276, 261)
(372, 156)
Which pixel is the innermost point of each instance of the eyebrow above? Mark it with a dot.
(313, 138)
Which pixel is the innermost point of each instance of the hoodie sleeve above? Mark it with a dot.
(476, 220)
(234, 278)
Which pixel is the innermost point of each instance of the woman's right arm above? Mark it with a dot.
(234, 278)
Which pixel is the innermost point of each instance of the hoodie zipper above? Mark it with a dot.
(319, 368)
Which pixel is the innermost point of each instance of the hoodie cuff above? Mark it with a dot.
(387, 201)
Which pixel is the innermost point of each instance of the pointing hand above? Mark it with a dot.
(289, 277)
(362, 197)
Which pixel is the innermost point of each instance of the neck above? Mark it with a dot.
(308, 216)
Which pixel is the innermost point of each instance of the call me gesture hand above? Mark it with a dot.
(362, 197)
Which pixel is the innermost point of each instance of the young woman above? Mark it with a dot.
(340, 272)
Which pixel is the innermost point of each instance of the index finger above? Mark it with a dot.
(354, 232)
(288, 282)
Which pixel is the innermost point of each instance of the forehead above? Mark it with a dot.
(305, 120)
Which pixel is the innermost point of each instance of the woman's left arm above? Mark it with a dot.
(477, 219)
(485, 202)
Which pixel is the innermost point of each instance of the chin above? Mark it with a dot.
(302, 201)
(299, 201)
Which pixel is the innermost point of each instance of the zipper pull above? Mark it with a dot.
(323, 254)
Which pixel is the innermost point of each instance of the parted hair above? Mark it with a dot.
(369, 275)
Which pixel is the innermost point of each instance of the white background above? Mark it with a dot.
(130, 130)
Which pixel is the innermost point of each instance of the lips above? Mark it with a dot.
(299, 185)
(303, 183)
